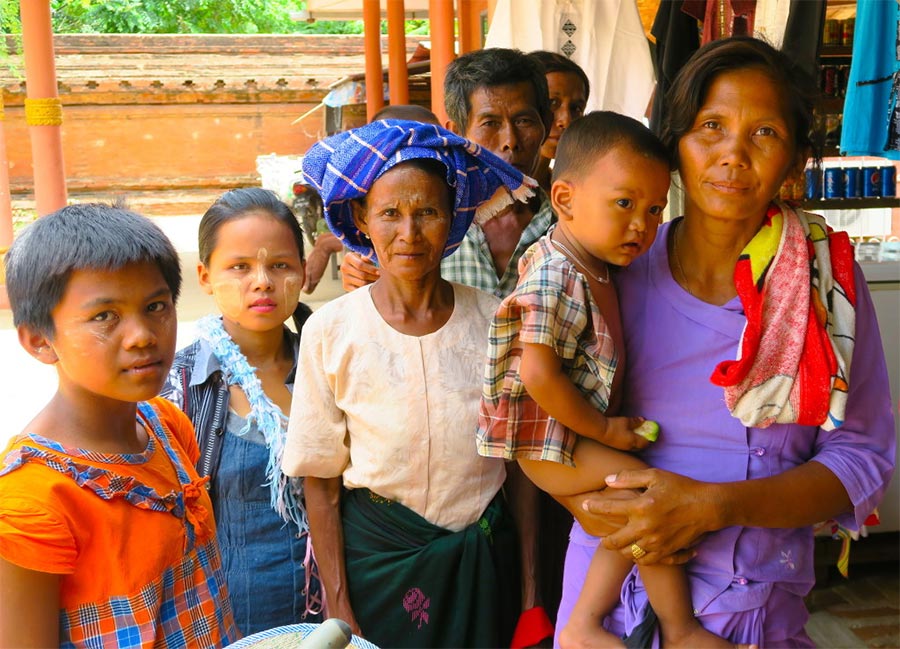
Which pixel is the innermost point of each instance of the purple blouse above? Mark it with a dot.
(673, 342)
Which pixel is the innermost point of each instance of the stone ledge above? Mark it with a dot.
(303, 44)
(160, 203)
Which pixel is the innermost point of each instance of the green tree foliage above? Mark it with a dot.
(193, 17)
(172, 17)
(9, 17)
(329, 27)
(11, 29)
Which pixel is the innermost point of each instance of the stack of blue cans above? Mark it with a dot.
(851, 182)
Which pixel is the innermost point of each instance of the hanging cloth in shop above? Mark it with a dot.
(871, 124)
(803, 33)
(722, 18)
(770, 21)
(677, 38)
(605, 38)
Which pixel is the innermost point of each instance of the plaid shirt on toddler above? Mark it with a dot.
(551, 305)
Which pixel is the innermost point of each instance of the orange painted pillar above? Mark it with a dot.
(398, 74)
(440, 17)
(469, 19)
(372, 44)
(6, 227)
(43, 110)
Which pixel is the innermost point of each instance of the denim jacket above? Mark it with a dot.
(249, 529)
(196, 385)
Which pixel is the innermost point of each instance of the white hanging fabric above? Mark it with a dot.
(771, 19)
(605, 38)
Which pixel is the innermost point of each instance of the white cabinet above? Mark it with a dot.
(884, 283)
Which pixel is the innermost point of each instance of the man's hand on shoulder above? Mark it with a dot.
(357, 271)
(317, 259)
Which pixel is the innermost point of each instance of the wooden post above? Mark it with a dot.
(43, 109)
(372, 46)
(398, 75)
(440, 17)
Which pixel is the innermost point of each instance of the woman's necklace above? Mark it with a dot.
(584, 267)
(677, 256)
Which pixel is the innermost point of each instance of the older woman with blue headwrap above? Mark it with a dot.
(413, 538)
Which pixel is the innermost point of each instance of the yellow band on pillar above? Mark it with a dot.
(2, 107)
(46, 111)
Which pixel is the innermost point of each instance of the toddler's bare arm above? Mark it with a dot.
(543, 376)
(593, 462)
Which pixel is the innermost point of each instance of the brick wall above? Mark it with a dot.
(174, 111)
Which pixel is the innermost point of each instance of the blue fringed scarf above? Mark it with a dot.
(286, 493)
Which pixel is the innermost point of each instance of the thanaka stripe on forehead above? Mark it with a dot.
(277, 254)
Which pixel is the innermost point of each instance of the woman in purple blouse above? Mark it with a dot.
(798, 426)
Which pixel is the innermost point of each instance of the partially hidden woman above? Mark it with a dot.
(751, 338)
(414, 540)
(569, 89)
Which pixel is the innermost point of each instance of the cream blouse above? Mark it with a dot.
(395, 413)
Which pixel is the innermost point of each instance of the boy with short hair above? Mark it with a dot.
(106, 531)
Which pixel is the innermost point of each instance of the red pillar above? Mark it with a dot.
(372, 43)
(469, 20)
(440, 17)
(43, 110)
(398, 75)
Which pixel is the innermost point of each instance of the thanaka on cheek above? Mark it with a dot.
(227, 294)
(293, 283)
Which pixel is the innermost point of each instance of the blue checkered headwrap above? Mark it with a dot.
(344, 166)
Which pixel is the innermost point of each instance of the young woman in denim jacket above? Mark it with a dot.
(235, 383)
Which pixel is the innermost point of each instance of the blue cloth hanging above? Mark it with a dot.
(871, 124)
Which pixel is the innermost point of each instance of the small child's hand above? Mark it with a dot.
(630, 433)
